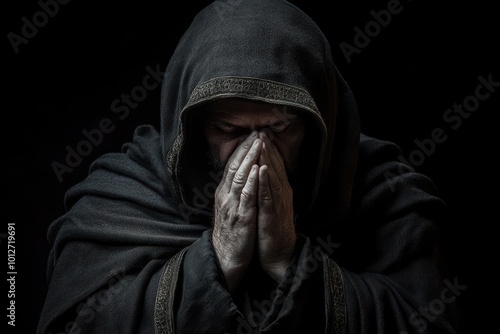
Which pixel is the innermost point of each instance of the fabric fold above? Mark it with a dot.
(133, 254)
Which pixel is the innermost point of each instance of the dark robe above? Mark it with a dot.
(133, 252)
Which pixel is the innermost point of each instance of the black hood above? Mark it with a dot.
(129, 222)
(135, 208)
(261, 50)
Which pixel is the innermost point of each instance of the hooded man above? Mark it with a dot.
(258, 207)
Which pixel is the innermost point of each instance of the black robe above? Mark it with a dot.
(133, 252)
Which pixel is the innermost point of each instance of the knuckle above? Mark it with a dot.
(267, 198)
(276, 185)
(223, 204)
(218, 190)
(243, 218)
(233, 167)
(219, 196)
(246, 144)
(246, 195)
(239, 178)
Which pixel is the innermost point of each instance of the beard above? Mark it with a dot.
(214, 164)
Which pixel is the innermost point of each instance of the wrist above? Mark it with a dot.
(277, 271)
(233, 274)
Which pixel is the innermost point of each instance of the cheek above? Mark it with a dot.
(222, 149)
(289, 145)
(227, 148)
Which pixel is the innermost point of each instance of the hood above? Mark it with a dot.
(265, 50)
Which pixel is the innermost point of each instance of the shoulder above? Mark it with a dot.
(385, 178)
(138, 168)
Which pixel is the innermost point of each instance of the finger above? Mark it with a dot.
(274, 181)
(234, 162)
(274, 157)
(248, 198)
(264, 193)
(264, 156)
(241, 176)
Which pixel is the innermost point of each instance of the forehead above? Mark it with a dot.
(241, 111)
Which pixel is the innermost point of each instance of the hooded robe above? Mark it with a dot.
(133, 252)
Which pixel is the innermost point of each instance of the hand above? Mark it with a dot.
(276, 234)
(235, 211)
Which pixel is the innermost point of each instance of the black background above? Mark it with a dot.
(428, 58)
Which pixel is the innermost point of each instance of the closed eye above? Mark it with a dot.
(227, 128)
(230, 131)
(278, 127)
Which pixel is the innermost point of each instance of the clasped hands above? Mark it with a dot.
(253, 212)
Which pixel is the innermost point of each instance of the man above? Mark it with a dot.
(257, 208)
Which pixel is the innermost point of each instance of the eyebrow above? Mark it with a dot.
(222, 122)
(227, 119)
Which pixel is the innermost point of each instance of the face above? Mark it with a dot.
(231, 120)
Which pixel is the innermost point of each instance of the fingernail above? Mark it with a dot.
(253, 134)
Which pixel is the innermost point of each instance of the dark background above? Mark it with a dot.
(428, 58)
